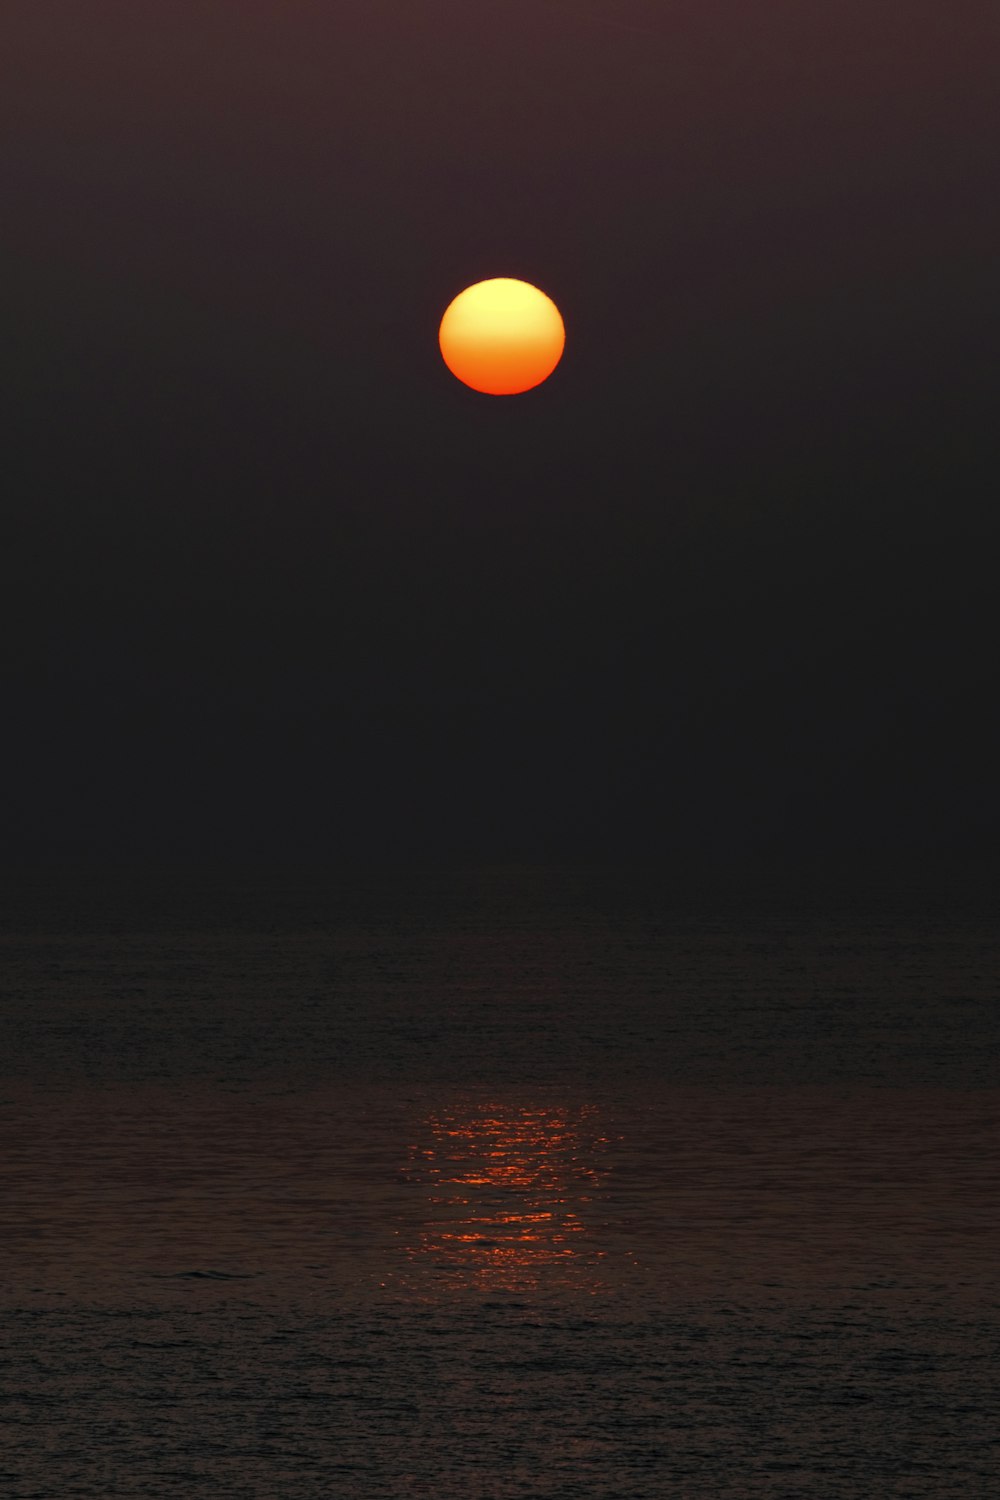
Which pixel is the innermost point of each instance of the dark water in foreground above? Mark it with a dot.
(502, 1184)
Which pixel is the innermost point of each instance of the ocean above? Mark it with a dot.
(476, 1184)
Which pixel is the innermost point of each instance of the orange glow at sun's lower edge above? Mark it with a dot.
(502, 337)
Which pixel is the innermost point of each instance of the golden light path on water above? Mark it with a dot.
(510, 1195)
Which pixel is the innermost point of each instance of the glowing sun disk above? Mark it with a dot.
(502, 336)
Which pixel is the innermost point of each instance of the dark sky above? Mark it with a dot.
(275, 581)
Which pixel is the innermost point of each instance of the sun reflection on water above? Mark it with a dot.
(511, 1196)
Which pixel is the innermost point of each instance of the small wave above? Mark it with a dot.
(205, 1275)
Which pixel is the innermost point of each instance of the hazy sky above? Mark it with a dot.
(275, 580)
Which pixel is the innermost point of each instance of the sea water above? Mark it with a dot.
(476, 1184)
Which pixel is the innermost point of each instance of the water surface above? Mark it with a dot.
(498, 1183)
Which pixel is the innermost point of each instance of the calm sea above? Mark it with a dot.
(484, 1184)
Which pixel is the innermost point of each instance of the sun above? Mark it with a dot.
(502, 336)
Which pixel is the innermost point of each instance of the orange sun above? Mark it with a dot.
(502, 336)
